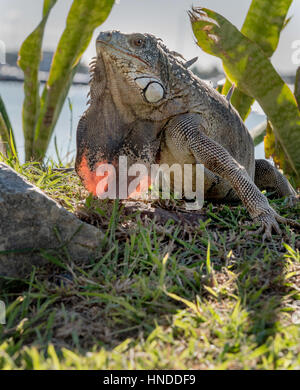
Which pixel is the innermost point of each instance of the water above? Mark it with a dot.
(12, 94)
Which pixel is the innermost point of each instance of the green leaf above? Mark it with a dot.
(3, 136)
(4, 113)
(29, 61)
(240, 101)
(258, 133)
(263, 24)
(83, 18)
(7, 141)
(247, 66)
(297, 87)
(274, 150)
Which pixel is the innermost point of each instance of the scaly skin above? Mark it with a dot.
(146, 104)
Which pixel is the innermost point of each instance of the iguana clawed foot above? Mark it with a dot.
(292, 200)
(269, 221)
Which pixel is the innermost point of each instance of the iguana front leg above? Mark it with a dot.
(186, 131)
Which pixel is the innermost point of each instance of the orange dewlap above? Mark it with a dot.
(90, 179)
(142, 187)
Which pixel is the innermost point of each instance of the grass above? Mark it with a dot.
(162, 295)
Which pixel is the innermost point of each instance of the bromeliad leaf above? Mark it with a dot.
(263, 24)
(29, 62)
(83, 18)
(259, 132)
(247, 66)
(297, 87)
(7, 141)
(273, 149)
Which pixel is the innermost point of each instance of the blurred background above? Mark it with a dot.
(166, 19)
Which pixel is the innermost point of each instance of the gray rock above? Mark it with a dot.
(32, 224)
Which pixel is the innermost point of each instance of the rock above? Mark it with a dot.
(31, 224)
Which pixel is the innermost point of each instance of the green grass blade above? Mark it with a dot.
(247, 66)
(83, 18)
(29, 62)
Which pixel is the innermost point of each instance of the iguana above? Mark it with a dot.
(146, 104)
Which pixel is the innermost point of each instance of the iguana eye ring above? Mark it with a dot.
(138, 42)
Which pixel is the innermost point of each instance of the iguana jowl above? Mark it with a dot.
(146, 104)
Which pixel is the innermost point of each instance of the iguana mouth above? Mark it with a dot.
(123, 52)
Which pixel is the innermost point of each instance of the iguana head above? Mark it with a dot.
(137, 86)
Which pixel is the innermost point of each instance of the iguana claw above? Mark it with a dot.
(292, 200)
(269, 221)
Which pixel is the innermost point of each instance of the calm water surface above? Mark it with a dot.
(65, 131)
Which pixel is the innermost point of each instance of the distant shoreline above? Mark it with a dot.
(10, 71)
(16, 80)
(15, 74)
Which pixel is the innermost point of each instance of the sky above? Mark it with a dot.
(166, 19)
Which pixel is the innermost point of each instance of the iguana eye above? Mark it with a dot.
(138, 42)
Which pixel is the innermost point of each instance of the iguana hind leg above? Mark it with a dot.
(185, 131)
(267, 177)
